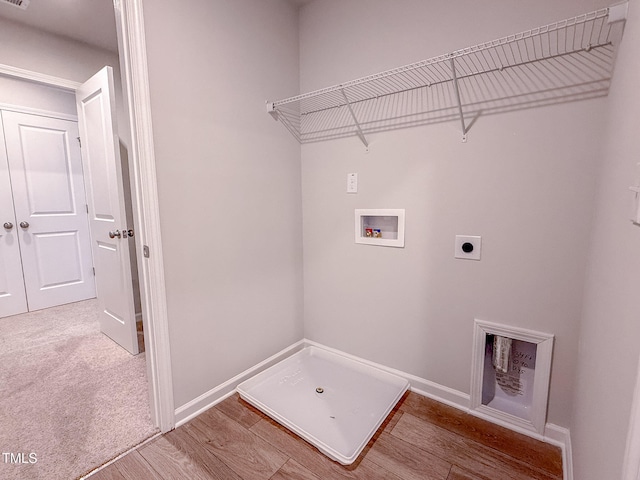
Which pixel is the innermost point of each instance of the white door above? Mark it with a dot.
(50, 209)
(107, 219)
(13, 299)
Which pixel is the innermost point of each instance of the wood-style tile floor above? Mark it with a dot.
(421, 439)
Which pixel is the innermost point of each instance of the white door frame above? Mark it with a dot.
(631, 465)
(134, 75)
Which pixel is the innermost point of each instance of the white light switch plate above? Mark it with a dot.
(352, 183)
(472, 243)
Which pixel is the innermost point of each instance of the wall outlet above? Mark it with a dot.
(468, 247)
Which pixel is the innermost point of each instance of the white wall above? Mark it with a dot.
(26, 48)
(29, 49)
(609, 346)
(27, 94)
(229, 184)
(525, 181)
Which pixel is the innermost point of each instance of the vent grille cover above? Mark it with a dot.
(22, 4)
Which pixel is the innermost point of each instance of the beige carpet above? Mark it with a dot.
(70, 398)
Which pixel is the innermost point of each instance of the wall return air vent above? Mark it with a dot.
(564, 61)
(21, 4)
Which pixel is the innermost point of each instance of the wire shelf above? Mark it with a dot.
(564, 61)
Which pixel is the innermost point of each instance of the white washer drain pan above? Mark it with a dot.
(333, 402)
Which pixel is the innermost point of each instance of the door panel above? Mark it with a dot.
(57, 269)
(12, 294)
(104, 186)
(48, 174)
(103, 179)
(49, 198)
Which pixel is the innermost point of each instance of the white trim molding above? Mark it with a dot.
(37, 111)
(631, 465)
(132, 49)
(542, 374)
(561, 437)
(421, 386)
(40, 78)
(217, 394)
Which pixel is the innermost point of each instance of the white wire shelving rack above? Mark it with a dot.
(564, 61)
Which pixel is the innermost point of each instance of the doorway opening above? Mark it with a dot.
(61, 365)
(130, 24)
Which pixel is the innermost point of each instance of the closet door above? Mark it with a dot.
(50, 206)
(12, 295)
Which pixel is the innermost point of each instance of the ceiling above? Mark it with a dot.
(87, 21)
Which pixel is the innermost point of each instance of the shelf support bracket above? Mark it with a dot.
(355, 120)
(457, 90)
(271, 110)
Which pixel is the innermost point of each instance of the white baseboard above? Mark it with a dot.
(217, 394)
(419, 385)
(553, 434)
(561, 437)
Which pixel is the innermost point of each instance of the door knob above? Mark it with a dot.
(8, 225)
(115, 234)
(24, 225)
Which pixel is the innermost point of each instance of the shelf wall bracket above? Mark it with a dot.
(457, 91)
(355, 120)
(271, 110)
